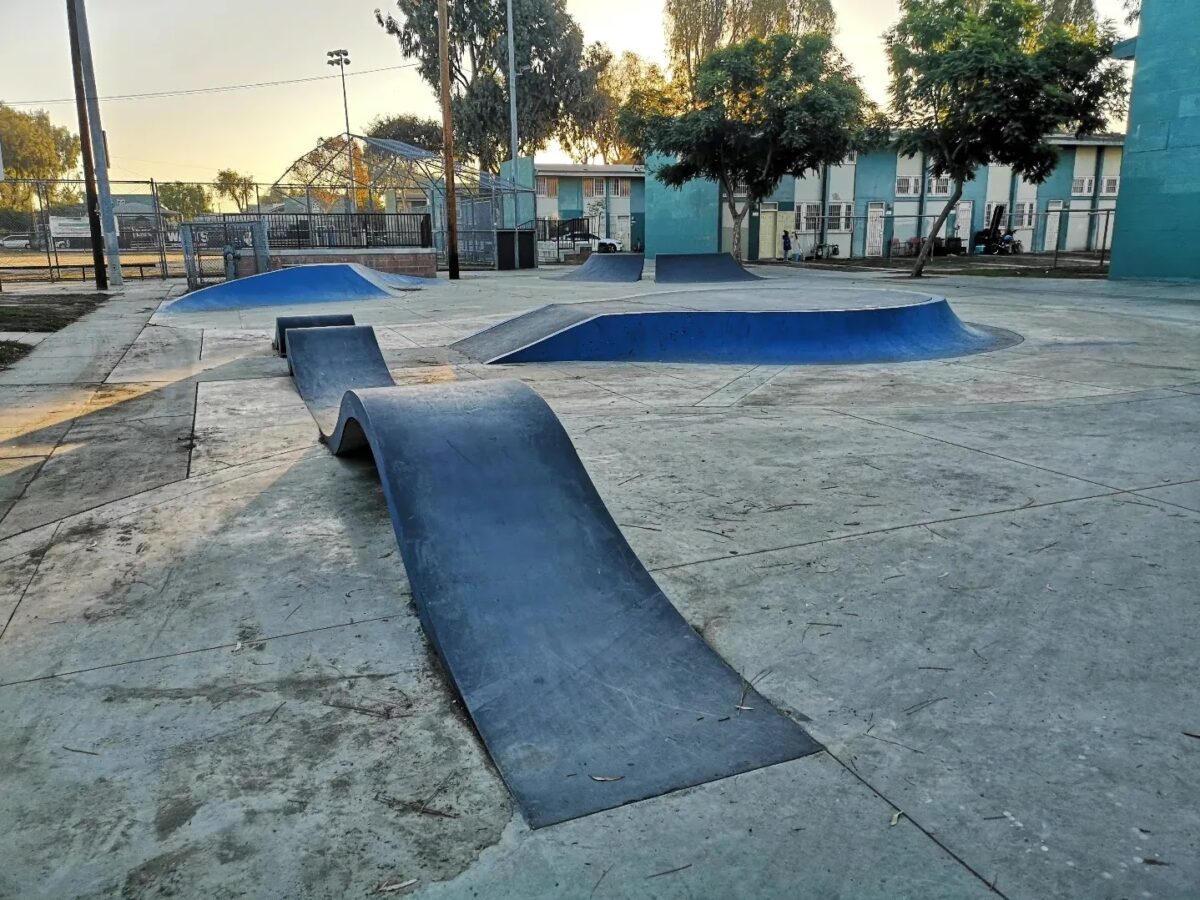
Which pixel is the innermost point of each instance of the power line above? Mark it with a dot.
(186, 92)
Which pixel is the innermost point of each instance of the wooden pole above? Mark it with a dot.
(448, 142)
(85, 147)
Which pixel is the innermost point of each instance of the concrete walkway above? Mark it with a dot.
(973, 580)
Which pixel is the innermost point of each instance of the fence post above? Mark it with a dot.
(258, 235)
(1104, 239)
(189, 256)
(159, 228)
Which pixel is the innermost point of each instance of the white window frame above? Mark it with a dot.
(590, 185)
(911, 186)
(938, 187)
(1110, 185)
(841, 217)
(808, 218)
(546, 186)
(851, 158)
(620, 187)
(1025, 213)
(1083, 185)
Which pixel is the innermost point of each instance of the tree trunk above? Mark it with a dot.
(927, 247)
(737, 227)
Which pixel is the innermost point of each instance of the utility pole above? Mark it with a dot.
(85, 147)
(99, 148)
(512, 92)
(341, 59)
(448, 142)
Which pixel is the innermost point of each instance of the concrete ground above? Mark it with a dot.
(974, 581)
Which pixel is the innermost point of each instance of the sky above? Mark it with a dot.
(142, 46)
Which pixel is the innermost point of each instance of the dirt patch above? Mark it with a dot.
(45, 312)
(11, 351)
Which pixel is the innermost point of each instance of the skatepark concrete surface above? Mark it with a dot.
(972, 580)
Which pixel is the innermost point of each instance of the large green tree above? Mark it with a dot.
(189, 200)
(988, 82)
(556, 73)
(33, 149)
(763, 109)
(416, 130)
(235, 186)
(595, 131)
(695, 28)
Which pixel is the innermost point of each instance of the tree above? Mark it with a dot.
(235, 186)
(189, 200)
(988, 82)
(34, 149)
(555, 74)
(764, 109)
(695, 28)
(596, 131)
(415, 130)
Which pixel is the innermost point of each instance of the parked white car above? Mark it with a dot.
(598, 244)
(15, 242)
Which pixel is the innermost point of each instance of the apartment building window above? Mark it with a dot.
(593, 187)
(1110, 185)
(908, 186)
(987, 214)
(808, 219)
(1083, 187)
(1025, 214)
(620, 187)
(841, 216)
(940, 186)
(851, 158)
(547, 186)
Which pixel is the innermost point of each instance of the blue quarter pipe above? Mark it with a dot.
(320, 283)
(926, 330)
(696, 268)
(608, 268)
(588, 687)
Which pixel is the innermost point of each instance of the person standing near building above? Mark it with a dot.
(787, 245)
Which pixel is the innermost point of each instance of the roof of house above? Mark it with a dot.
(584, 169)
(1109, 139)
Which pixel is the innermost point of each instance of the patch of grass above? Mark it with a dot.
(11, 351)
(44, 312)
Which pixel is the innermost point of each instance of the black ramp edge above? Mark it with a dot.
(609, 268)
(588, 687)
(697, 268)
(284, 323)
(327, 362)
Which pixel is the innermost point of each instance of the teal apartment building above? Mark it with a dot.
(612, 196)
(881, 203)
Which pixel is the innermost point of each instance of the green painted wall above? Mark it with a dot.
(524, 201)
(570, 198)
(637, 215)
(683, 220)
(1157, 230)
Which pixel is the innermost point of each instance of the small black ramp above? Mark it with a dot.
(326, 362)
(588, 687)
(608, 268)
(696, 268)
(285, 323)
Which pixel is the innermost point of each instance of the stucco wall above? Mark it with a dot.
(680, 220)
(1157, 228)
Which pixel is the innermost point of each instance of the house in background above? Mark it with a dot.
(882, 204)
(612, 197)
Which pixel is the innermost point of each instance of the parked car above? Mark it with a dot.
(15, 242)
(597, 243)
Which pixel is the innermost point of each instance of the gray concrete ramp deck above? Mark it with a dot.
(973, 581)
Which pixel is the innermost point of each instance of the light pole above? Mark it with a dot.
(512, 92)
(341, 59)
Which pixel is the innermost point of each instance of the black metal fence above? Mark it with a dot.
(303, 231)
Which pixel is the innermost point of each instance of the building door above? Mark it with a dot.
(963, 214)
(875, 213)
(622, 233)
(770, 240)
(1053, 214)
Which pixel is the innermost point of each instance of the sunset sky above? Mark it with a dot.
(164, 45)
